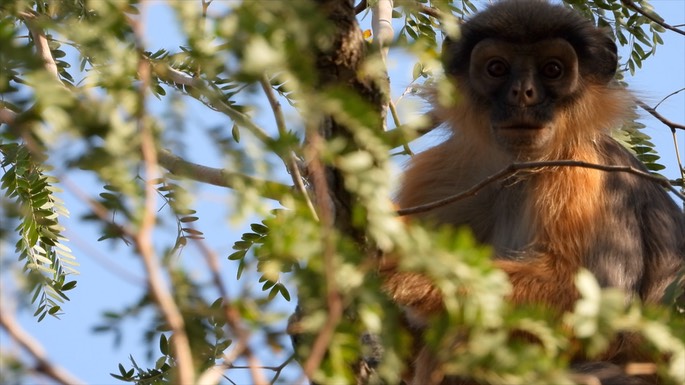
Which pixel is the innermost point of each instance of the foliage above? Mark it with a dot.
(47, 259)
(113, 109)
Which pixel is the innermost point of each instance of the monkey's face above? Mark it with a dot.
(523, 86)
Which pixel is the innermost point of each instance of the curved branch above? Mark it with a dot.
(161, 294)
(219, 177)
(234, 320)
(43, 365)
(668, 96)
(630, 4)
(396, 137)
(194, 171)
(7, 116)
(672, 125)
(290, 160)
(430, 11)
(41, 43)
(515, 167)
(210, 97)
(360, 7)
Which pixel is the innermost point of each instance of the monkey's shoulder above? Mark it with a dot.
(632, 184)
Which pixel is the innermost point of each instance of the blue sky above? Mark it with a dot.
(111, 278)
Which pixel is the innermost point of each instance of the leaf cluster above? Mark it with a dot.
(40, 246)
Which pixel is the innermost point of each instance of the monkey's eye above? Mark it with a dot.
(552, 70)
(497, 68)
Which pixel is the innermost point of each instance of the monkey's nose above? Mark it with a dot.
(523, 95)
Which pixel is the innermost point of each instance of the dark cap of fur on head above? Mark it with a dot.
(529, 21)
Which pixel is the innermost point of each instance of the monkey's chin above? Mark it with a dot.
(525, 142)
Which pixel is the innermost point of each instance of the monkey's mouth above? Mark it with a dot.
(522, 137)
(523, 126)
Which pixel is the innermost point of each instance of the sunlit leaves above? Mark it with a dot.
(633, 137)
(41, 243)
(599, 315)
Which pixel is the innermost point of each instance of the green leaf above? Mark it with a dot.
(163, 345)
(259, 228)
(238, 255)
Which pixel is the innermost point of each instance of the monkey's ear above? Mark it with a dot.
(451, 55)
(602, 57)
(446, 52)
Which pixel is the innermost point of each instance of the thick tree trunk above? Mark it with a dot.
(339, 66)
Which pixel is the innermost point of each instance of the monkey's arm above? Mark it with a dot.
(533, 282)
(541, 281)
(413, 291)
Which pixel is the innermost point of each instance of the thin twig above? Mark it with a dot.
(104, 260)
(233, 319)
(676, 92)
(360, 7)
(219, 177)
(396, 121)
(672, 125)
(290, 159)
(333, 298)
(41, 43)
(395, 137)
(515, 167)
(430, 11)
(678, 159)
(630, 4)
(211, 97)
(143, 237)
(7, 116)
(43, 366)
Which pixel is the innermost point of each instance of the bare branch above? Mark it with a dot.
(515, 167)
(430, 11)
(381, 23)
(211, 98)
(43, 365)
(396, 136)
(219, 177)
(7, 116)
(360, 7)
(143, 237)
(668, 96)
(672, 125)
(333, 298)
(41, 43)
(630, 4)
(233, 318)
(290, 160)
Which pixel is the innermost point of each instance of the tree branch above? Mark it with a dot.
(233, 318)
(41, 43)
(210, 97)
(43, 366)
(290, 160)
(360, 7)
(161, 295)
(672, 125)
(630, 4)
(219, 177)
(515, 167)
(333, 298)
(7, 116)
